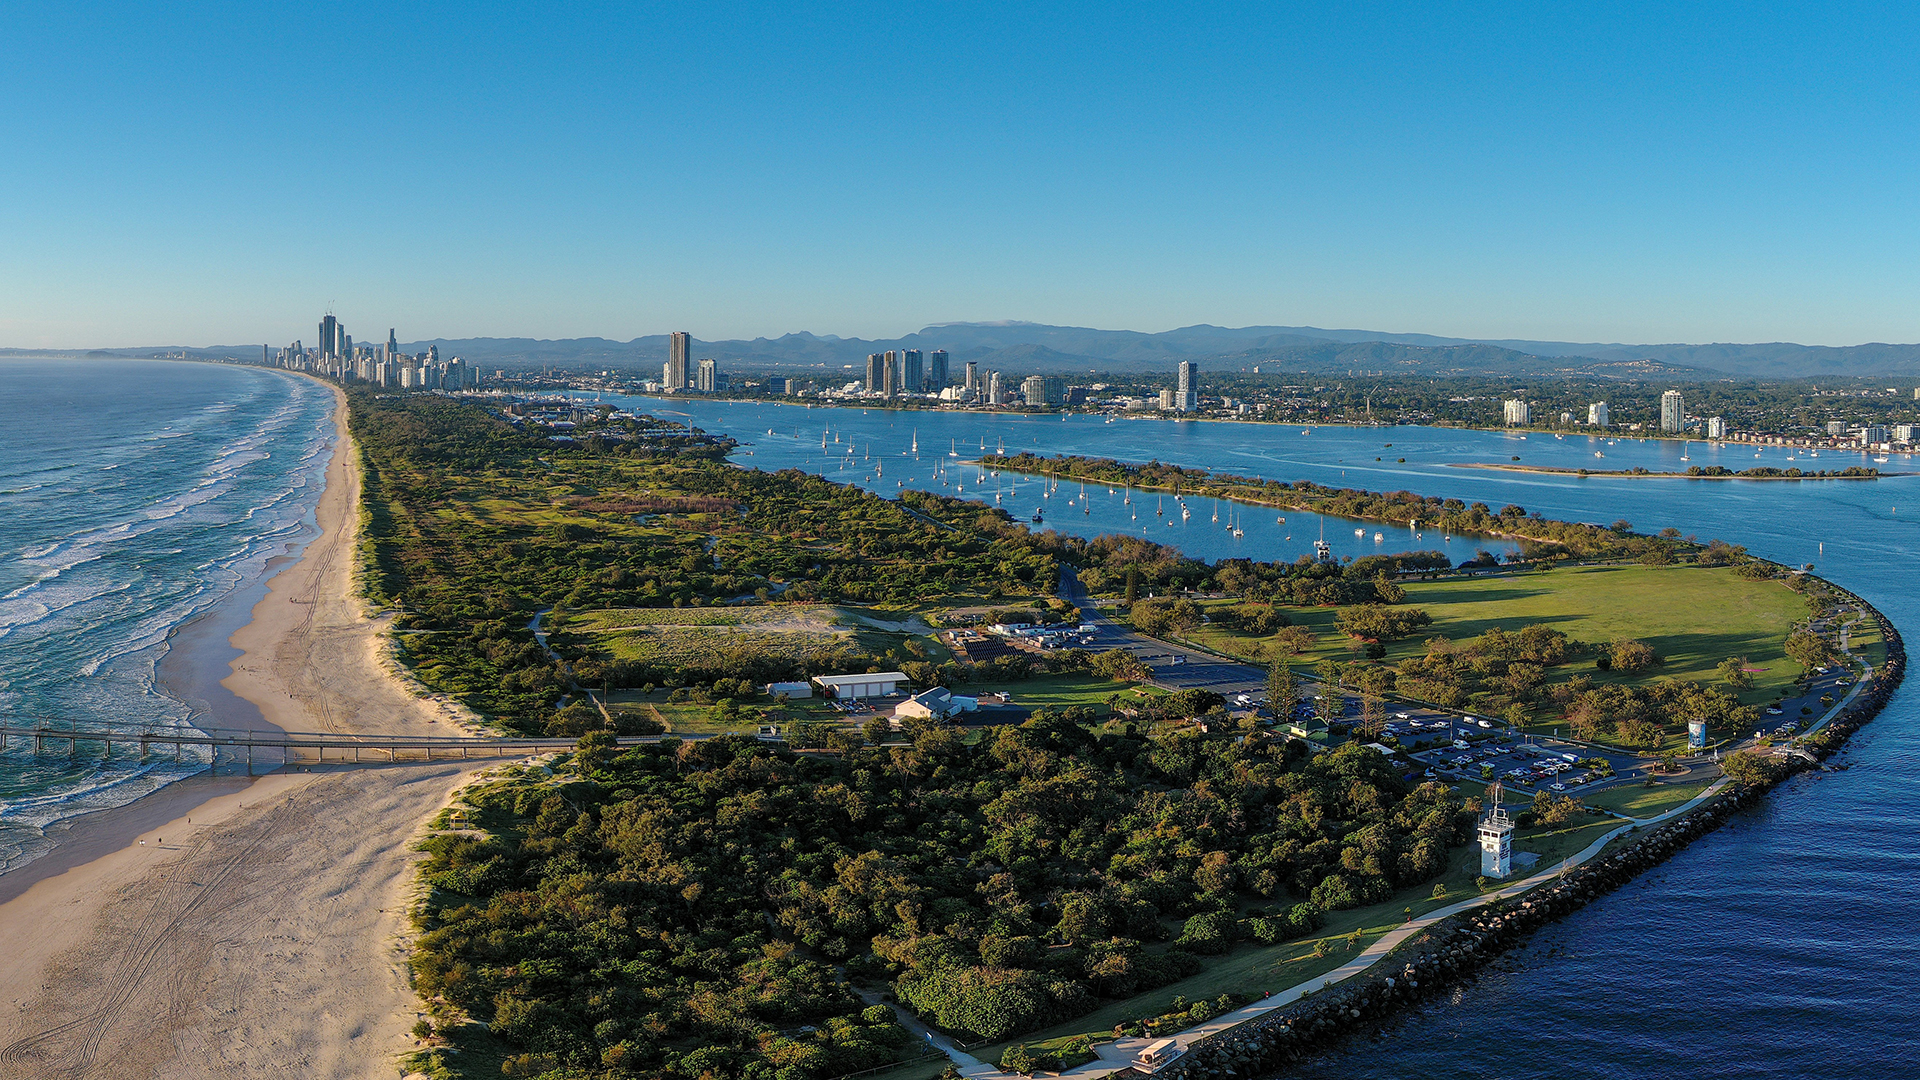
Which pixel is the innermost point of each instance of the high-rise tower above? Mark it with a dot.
(1187, 395)
(1673, 416)
(678, 349)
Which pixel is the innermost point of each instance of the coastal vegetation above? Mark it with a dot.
(681, 909)
(473, 529)
(1539, 536)
(733, 908)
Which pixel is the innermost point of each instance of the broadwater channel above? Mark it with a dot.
(1779, 946)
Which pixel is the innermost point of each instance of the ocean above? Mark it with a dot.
(136, 497)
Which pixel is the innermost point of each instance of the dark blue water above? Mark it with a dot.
(1784, 945)
(134, 497)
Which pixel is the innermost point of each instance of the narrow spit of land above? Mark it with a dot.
(1768, 473)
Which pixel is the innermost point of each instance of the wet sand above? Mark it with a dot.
(264, 936)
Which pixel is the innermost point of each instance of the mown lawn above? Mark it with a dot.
(1694, 618)
(1637, 801)
(1060, 691)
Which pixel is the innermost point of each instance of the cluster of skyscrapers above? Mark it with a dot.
(906, 371)
(337, 357)
(680, 373)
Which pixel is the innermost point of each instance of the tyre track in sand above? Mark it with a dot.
(70, 1049)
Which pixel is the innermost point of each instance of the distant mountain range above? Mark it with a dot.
(1025, 348)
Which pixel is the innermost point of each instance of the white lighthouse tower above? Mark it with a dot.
(1496, 838)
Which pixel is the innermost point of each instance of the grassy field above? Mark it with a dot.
(1644, 802)
(1060, 691)
(1693, 617)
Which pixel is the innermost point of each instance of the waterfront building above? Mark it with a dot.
(1874, 435)
(876, 363)
(1516, 411)
(679, 349)
(1597, 414)
(912, 372)
(890, 374)
(1716, 427)
(1496, 838)
(1039, 390)
(1836, 427)
(1168, 399)
(973, 374)
(996, 388)
(1188, 390)
(1673, 416)
(937, 376)
(708, 380)
(1903, 433)
(331, 333)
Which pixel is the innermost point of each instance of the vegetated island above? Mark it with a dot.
(1124, 859)
(1693, 472)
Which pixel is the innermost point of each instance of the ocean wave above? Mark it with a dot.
(197, 512)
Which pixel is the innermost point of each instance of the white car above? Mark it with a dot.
(1484, 723)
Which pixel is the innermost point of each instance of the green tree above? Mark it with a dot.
(1733, 671)
(1282, 691)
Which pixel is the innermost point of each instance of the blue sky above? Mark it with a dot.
(207, 173)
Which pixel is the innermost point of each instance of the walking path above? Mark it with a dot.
(1118, 1054)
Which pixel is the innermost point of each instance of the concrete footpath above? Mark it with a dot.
(1118, 1054)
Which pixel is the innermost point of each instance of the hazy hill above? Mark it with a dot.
(1021, 348)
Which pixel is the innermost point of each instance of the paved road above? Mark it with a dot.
(1175, 667)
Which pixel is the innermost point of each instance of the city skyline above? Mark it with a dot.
(1638, 174)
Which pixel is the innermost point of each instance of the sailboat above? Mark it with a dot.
(1160, 507)
(1084, 508)
(955, 452)
(1216, 511)
(1128, 501)
(1186, 512)
(916, 440)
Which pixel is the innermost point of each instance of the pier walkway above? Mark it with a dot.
(270, 748)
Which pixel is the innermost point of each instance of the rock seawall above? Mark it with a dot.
(1454, 951)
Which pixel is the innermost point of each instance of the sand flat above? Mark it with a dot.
(263, 939)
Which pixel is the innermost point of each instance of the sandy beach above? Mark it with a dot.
(236, 927)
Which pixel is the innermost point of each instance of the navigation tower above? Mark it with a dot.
(1496, 838)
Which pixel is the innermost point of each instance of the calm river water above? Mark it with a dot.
(1783, 945)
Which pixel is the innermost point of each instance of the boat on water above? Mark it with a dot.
(1037, 517)
(1186, 512)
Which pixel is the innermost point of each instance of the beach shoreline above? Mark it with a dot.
(228, 925)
